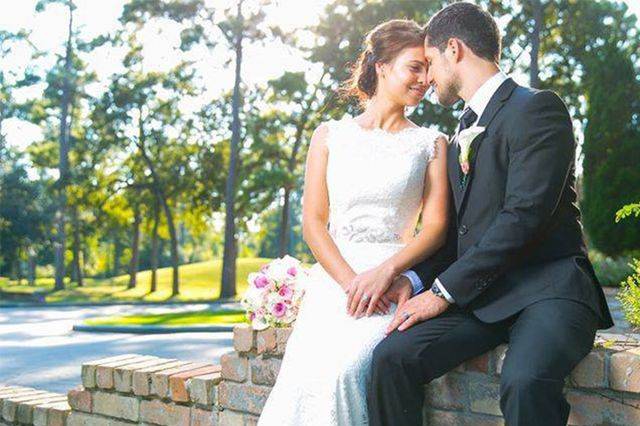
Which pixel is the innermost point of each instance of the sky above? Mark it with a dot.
(96, 17)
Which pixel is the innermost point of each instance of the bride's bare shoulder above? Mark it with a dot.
(321, 133)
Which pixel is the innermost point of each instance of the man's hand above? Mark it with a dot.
(366, 291)
(400, 291)
(420, 308)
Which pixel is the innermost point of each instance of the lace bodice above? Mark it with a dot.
(375, 181)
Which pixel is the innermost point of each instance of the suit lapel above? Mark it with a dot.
(454, 177)
(495, 104)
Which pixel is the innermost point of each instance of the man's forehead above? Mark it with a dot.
(430, 51)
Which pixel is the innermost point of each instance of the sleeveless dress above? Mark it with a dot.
(375, 181)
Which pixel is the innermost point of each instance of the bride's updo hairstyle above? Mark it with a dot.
(381, 45)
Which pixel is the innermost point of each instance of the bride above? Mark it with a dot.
(369, 178)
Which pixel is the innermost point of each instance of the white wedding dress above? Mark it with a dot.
(375, 181)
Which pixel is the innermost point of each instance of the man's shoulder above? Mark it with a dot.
(524, 98)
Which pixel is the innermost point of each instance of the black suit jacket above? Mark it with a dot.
(515, 235)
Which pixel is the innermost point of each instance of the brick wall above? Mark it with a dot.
(27, 406)
(603, 390)
(145, 390)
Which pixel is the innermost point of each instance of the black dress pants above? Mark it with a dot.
(546, 341)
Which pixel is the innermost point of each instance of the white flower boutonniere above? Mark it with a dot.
(464, 140)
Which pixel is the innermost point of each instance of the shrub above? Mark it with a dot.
(629, 295)
(609, 270)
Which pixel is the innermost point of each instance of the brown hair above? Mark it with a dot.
(471, 24)
(381, 45)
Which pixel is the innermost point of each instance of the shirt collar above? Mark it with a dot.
(481, 98)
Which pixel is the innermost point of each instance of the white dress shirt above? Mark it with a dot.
(478, 103)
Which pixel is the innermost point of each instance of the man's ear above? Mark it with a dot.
(455, 50)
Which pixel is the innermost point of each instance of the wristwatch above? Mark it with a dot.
(435, 289)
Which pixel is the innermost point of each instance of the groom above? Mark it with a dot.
(515, 267)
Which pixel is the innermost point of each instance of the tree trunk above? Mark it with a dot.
(135, 247)
(63, 168)
(228, 286)
(175, 284)
(18, 266)
(31, 273)
(283, 241)
(117, 255)
(76, 270)
(538, 16)
(154, 247)
(159, 193)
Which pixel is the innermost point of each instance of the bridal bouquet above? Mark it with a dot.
(274, 294)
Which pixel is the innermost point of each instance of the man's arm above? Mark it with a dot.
(425, 273)
(540, 159)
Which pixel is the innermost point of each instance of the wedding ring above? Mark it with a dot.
(366, 298)
(406, 316)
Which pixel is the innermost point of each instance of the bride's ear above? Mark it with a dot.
(380, 69)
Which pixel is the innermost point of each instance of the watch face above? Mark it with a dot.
(436, 290)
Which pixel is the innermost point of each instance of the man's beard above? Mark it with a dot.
(449, 94)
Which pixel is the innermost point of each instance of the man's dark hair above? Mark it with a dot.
(469, 23)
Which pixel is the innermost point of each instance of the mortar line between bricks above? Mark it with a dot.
(141, 397)
(102, 416)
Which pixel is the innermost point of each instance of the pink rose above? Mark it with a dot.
(261, 281)
(465, 167)
(285, 292)
(279, 309)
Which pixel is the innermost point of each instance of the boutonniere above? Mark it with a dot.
(464, 140)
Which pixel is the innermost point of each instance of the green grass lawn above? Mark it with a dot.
(175, 319)
(198, 282)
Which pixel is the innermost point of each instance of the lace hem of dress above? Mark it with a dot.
(365, 234)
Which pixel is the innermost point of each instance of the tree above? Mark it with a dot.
(23, 217)
(593, 61)
(236, 26)
(611, 150)
(299, 102)
(65, 102)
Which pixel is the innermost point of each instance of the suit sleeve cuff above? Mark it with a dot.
(416, 282)
(444, 291)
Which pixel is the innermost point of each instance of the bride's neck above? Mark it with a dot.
(383, 114)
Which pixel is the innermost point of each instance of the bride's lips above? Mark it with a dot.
(418, 91)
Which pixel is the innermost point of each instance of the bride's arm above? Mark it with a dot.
(432, 236)
(315, 211)
(435, 215)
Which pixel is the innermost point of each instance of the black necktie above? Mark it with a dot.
(468, 118)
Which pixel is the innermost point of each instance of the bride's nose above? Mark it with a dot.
(422, 78)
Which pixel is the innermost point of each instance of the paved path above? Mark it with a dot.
(39, 349)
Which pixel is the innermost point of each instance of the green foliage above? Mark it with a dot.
(629, 295)
(588, 53)
(611, 148)
(627, 211)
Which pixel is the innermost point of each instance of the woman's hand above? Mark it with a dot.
(366, 291)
